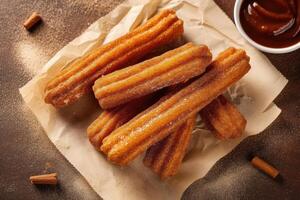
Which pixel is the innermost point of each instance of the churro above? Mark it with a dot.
(223, 118)
(165, 157)
(172, 67)
(109, 120)
(155, 123)
(77, 79)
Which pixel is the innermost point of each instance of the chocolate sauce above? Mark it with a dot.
(272, 23)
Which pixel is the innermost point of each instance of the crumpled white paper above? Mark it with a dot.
(204, 22)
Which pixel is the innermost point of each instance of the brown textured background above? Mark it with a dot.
(26, 150)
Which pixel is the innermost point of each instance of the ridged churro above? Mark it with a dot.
(109, 120)
(77, 79)
(223, 118)
(172, 67)
(156, 122)
(165, 157)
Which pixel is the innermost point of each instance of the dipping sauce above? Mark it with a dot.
(271, 23)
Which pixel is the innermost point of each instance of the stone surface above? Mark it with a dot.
(26, 150)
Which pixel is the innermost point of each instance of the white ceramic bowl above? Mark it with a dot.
(236, 13)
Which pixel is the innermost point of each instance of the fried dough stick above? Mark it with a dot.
(158, 121)
(165, 157)
(77, 79)
(223, 118)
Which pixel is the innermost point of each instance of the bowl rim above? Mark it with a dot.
(236, 15)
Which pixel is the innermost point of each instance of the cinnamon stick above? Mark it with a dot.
(45, 179)
(32, 20)
(265, 167)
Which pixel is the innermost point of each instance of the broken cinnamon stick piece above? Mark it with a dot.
(32, 20)
(45, 179)
(264, 166)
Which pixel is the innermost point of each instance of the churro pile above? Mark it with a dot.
(151, 105)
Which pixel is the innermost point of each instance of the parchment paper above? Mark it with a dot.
(204, 22)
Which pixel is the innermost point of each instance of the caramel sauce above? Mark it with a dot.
(272, 23)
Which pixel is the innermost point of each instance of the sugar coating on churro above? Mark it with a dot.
(156, 122)
(223, 118)
(105, 124)
(170, 68)
(109, 120)
(77, 78)
(165, 157)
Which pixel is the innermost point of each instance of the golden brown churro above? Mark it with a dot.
(175, 66)
(156, 122)
(77, 79)
(109, 120)
(165, 157)
(223, 118)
